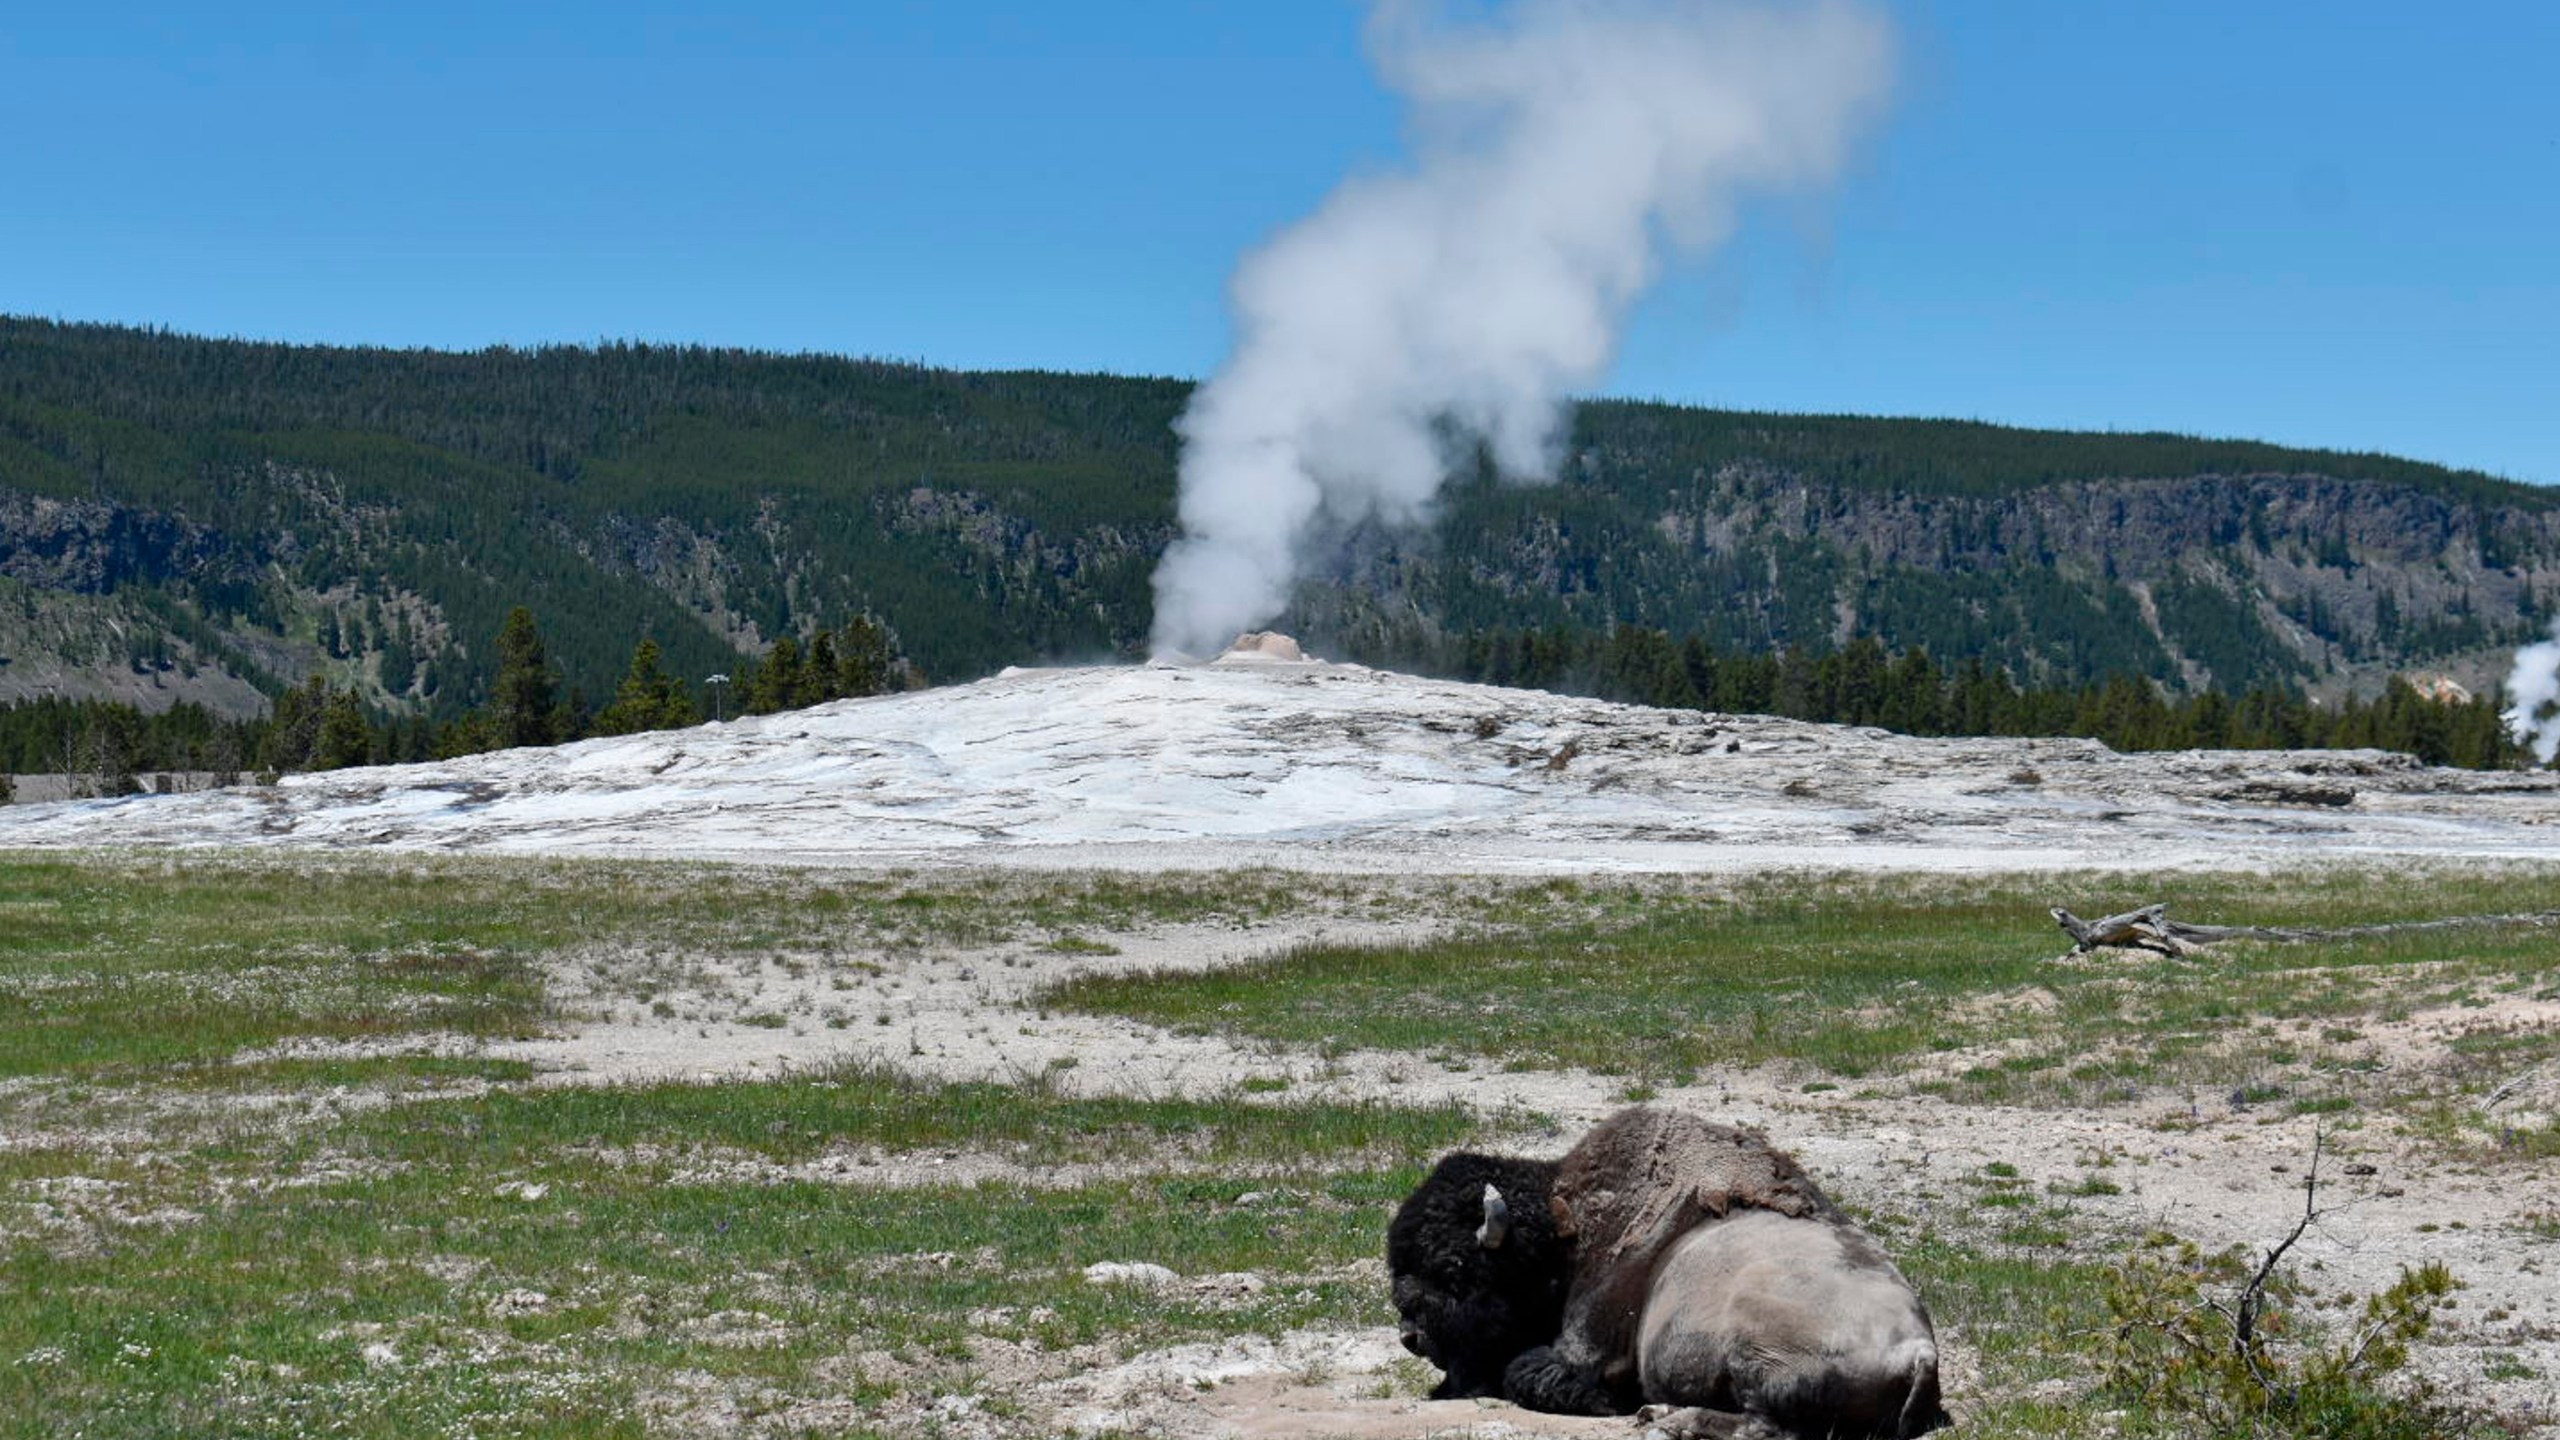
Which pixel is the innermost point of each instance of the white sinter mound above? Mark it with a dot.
(1266, 758)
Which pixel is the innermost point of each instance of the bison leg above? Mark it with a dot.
(1466, 1378)
(1542, 1379)
(1700, 1423)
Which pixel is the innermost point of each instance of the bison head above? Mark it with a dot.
(1477, 1268)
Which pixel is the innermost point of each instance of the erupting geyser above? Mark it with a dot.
(1450, 306)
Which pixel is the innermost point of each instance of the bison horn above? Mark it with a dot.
(1497, 1221)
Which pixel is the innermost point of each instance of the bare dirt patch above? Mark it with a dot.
(940, 1014)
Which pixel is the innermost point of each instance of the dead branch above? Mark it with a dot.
(2515, 1087)
(2150, 928)
(2252, 1301)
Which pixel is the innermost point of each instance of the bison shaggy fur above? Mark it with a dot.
(1665, 1260)
(1465, 1306)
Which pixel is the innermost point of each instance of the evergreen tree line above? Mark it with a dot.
(529, 706)
(108, 747)
(248, 489)
(478, 481)
(1863, 683)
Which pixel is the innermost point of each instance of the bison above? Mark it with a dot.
(1665, 1260)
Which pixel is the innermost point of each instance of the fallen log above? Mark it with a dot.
(2150, 928)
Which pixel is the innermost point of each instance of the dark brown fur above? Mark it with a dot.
(1641, 1180)
(1622, 1296)
(1464, 1308)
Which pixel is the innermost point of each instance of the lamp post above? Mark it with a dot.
(719, 696)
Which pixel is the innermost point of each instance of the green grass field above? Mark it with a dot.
(1854, 978)
(576, 1263)
(219, 1217)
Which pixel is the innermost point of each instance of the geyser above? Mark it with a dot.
(1561, 149)
(2534, 684)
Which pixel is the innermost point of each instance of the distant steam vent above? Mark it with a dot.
(2534, 686)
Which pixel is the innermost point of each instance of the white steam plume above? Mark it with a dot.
(2535, 717)
(1561, 150)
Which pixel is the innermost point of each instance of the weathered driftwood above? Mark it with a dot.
(2150, 928)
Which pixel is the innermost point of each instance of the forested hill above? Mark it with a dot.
(213, 519)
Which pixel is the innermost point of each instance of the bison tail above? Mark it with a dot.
(1922, 1411)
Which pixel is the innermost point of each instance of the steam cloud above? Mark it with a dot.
(1562, 150)
(2535, 684)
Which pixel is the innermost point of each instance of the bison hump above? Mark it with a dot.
(1648, 1175)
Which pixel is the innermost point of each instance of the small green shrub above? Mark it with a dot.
(2207, 1347)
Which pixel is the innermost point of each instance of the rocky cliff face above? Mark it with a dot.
(2342, 575)
(2228, 581)
(2203, 580)
(97, 546)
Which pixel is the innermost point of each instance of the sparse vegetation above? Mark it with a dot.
(553, 1264)
(272, 1169)
(1855, 976)
(2201, 1344)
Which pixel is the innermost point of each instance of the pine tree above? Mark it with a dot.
(2206, 721)
(648, 698)
(819, 680)
(1747, 685)
(777, 680)
(866, 661)
(1859, 677)
(1915, 699)
(1797, 691)
(1501, 658)
(1698, 662)
(345, 738)
(527, 690)
(105, 755)
(467, 734)
(569, 719)
(293, 726)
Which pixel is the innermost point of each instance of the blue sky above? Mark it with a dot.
(2333, 224)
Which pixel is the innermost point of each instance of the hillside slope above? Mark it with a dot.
(189, 517)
